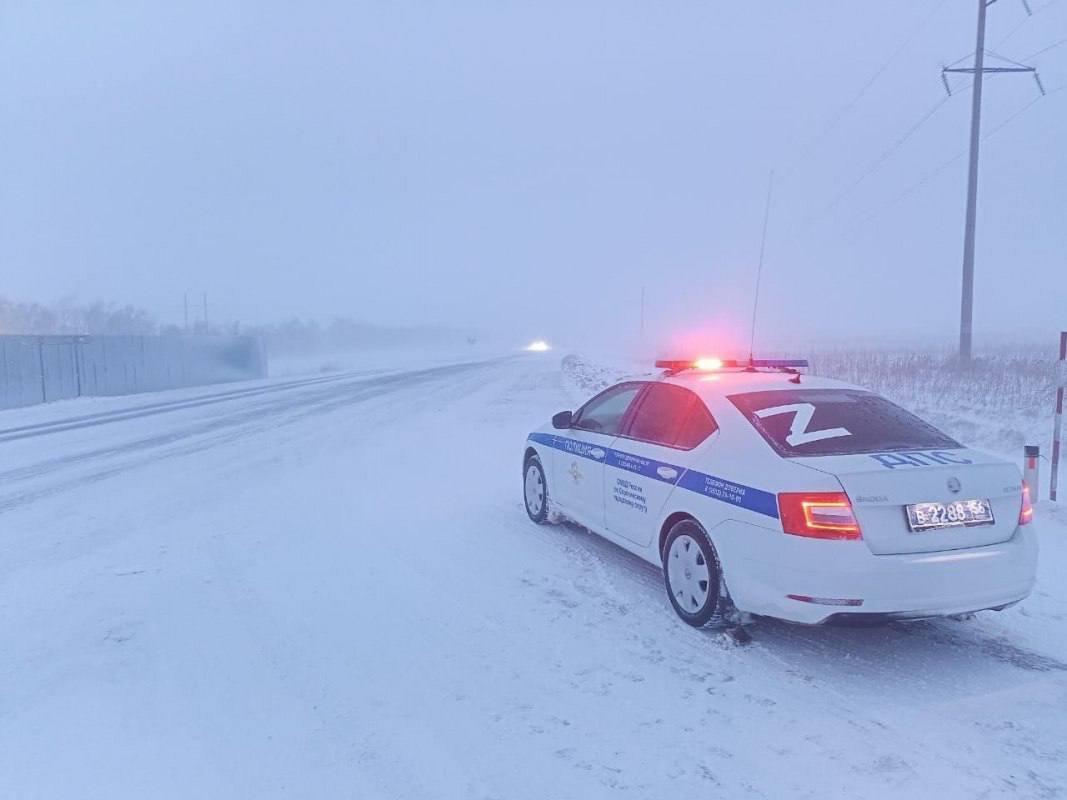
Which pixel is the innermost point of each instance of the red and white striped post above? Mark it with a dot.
(1057, 431)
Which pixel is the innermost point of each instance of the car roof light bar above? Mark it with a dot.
(674, 366)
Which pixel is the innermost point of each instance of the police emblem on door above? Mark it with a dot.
(954, 485)
(574, 472)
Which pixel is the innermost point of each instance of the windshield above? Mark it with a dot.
(832, 422)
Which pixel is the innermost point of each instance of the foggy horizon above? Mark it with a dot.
(527, 171)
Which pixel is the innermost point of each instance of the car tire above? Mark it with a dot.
(692, 574)
(535, 490)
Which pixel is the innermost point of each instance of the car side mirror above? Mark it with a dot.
(562, 420)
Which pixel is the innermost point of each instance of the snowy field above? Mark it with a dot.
(330, 590)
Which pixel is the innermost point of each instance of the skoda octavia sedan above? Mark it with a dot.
(759, 490)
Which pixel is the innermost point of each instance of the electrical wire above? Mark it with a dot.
(934, 173)
(854, 101)
(920, 122)
(1045, 49)
(1023, 22)
(885, 156)
(937, 171)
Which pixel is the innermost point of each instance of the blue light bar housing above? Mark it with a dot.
(780, 363)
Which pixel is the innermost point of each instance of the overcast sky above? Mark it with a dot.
(528, 167)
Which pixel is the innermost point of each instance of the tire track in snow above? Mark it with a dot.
(244, 422)
(152, 409)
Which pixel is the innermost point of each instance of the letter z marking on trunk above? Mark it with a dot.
(798, 429)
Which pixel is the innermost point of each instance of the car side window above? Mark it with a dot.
(605, 412)
(672, 416)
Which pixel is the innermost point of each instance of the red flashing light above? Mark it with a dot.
(708, 363)
(1026, 511)
(818, 515)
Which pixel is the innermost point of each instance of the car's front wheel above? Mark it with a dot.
(692, 573)
(535, 490)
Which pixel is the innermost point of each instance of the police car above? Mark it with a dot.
(761, 490)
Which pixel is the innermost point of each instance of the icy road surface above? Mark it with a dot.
(330, 590)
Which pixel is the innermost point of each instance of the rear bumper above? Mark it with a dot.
(849, 619)
(908, 586)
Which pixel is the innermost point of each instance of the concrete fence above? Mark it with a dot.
(39, 369)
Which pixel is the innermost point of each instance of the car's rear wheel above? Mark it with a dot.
(693, 574)
(535, 490)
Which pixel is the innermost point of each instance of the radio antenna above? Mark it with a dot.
(759, 268)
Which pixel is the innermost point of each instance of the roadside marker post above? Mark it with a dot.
(1057, 430)
(1031, 470)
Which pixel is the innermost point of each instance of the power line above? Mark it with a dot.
(854, 101)
(885, 156)
(1020, 112)
(1013, 31)
(1045, 49)
(1022, 23)
(930, 113)
(880, 71)
(922, 119)
(1007, 60)
(932, 174)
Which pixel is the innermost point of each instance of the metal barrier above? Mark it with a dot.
(1057, 429)
(39, 369)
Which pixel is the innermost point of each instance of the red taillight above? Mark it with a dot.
(1026, 512)
(820, 515)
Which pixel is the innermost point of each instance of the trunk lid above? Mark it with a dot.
(881, 485)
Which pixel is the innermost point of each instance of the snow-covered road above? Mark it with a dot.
(307, 592)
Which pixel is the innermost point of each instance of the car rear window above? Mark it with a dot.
(831, 422)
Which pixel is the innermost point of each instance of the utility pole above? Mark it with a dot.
(979, 70)
(205, 312)
(967, 299)
(186, 297)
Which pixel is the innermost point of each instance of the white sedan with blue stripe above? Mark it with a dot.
(762, 491)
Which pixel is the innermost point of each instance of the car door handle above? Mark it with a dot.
(667, 473)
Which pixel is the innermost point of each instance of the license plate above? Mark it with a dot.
(958, 513)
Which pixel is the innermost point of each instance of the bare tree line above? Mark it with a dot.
(288, 336)
(96, 318)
